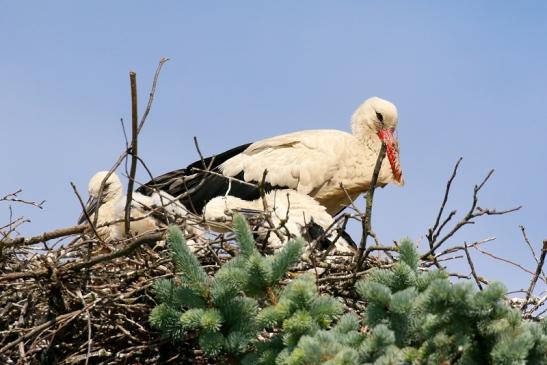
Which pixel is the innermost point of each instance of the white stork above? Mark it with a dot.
(293, 215)
(111, 207)
(313, 162)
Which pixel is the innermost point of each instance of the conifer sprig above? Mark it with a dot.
(412, 317)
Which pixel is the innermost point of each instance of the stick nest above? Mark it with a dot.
(81, 301)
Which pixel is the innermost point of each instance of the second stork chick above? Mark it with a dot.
(110, 207)
(293, 215)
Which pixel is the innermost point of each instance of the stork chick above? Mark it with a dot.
(110, 207)
(292, 214)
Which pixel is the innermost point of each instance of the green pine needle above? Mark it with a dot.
(244, 236)
(185, 261)
(285, 258)
(408, 254)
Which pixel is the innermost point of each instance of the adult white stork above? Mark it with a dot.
(111, 207)
(313, 162)
(292, 214)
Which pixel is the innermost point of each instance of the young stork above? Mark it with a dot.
(313, 162)
(111, 207)
(293, 215)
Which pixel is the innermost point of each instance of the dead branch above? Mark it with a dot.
(85, 213)
(525, 236)
(472, 266)
(13, 197)
(152, 93)
(434, 231)
(132, 151)
(367, 219)
(503, 259)
(536, 275)
(474, 212)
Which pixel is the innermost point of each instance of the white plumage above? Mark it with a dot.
(111, 207)
(318, 162)
(297, 211)
(314, 162)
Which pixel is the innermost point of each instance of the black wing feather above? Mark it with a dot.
(198, 187)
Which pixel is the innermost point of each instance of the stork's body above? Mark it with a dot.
(332, 166)
(292, 214)
(110, 207)
(314, 162)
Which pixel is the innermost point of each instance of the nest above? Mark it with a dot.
(88, 301)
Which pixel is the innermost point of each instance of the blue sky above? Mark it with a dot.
(468, 78)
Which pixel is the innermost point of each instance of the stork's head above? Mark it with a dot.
(377, 118)
(112, 189)
(112, 185)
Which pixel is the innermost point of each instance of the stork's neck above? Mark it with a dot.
(363, 132)
(370, 146)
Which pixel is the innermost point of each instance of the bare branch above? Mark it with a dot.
(163, 60)
(432, 232)
(366, 220)
(536, 274)
(12, 197)
(86, 214)
(133, 150)
(503, 259)
(471, 266)
(196, 144)
(473, 212)
(525, 236)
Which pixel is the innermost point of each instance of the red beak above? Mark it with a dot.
(392, 152)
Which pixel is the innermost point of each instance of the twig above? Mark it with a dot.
(536, 306)
(12, 225)
(196, 144)
(133, 243)
(86, 214)
(432, 232)
(163, 60)
(351, 202)
(536, 274)
(371, 249)
(473, 272)
(124, 134)
(345, 217)
(267, 215)
(39, 328)
(523, 230)
(62, 232)
(134, 145)
(58, 233)
(461, 248)
(504, 260)
(88, 327)
(473, 212)
(20, 323)
(229, 178)
(121, 158)
(366, 220)
(12, 197)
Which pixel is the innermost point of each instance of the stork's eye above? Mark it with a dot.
(380, 117)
